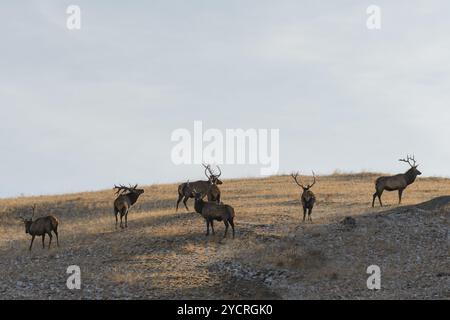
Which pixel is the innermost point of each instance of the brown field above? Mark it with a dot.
(165, 255)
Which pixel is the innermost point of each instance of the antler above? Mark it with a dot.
(119, 188)
(414, 161)
(408, 158)
(207, 169)
(34, 209)
(211, 172)
(302, 186)
(295, 179)
(220, 172)
(122, 188)
(314, 182)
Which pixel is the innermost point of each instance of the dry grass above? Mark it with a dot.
(164, 254)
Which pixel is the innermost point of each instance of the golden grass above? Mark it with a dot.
(164, 254)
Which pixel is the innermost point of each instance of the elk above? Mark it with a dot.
(211, 211)
(127, 197)
(207, 188)
(397, 182)
(40, 227)
(307, 198)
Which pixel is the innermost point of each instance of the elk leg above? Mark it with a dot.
(207, 227)
(116, 218)
(57, 240)
(212, 226)
(309, 214)
(43, 238)
(31, 244)
(50, 241)
(379, 197)
(121, 217)
(180, 196)
(373, 200)
(400, 192)
(232, 226)
(126, 219)
(184, 202)
(304, 214)
(226, 228)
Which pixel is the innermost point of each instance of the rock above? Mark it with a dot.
(349, 222)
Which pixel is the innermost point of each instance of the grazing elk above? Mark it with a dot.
(398, 182)
(307, 198)
(207, 188)
(41, 227)
(126, 199)
(211, 211)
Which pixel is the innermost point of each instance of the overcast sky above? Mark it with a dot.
(82, 110)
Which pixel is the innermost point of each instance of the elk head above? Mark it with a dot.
(413, 165)
(28, 221)
(212, 177)
(197, 195)
(127, 190)
(307, 187)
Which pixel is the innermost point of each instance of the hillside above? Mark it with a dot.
(165, 255)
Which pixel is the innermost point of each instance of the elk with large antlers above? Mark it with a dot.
(40, 227)
(307, 198)
(398, 182)
(207, 188)
(127, 197)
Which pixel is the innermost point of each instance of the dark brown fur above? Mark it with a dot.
(307, 198)
(207, 188)
(211, 211)
(125, 201)
(41, 227)
(397, 182)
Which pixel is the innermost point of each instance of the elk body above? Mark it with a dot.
(126, 199)
(211, 211)
(41, 227)
(207, 188)
(397, 182)
(307, 197)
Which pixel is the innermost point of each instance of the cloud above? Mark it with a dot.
(88, 109)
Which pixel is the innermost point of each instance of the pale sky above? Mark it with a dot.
(83, 110)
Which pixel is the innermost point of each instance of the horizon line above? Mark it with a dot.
(336, 172)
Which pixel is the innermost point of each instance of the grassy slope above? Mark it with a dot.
(164, 254)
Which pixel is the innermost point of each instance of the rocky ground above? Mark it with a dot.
(165, 255)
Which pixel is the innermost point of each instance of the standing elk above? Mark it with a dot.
(126, 199)
(398, 182)
(41, 227)
(211, 211)
(207, 188)
(307, 198)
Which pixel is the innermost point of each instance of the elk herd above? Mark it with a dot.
(214, 209)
